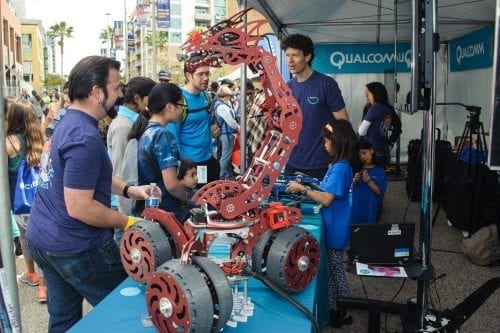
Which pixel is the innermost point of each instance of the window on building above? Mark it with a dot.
(201, 11)
(175, 23)
(175, 37)
(175, 9)
(27, 44)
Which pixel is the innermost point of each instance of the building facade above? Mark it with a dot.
(185, 16)
(35, 53)
(11, 49)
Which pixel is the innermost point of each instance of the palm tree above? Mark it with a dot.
(161, 40)
(60, 31)
(108, 36)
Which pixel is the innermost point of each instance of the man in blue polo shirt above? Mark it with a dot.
(69, 234)
(319, 97)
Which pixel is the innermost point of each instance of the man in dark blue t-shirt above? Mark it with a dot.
(69, 233)
(319, 97)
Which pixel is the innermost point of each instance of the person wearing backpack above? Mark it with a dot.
(24, 141)
(377, 122)
(225, 116)
(193, 131)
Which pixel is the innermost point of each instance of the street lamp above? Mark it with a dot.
(108, 14)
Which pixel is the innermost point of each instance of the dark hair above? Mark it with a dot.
(194, 62)
(343, 140)
(138, 85)
(299, 42)
(161, 94)
(363, 143)
(138, 128)
(185, 164)
(214, 86)
(88, 72)
(379, 92)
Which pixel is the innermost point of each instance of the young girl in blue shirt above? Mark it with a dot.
(336, 198)
(369, 186)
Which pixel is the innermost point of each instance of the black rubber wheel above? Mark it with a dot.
(222, 296)
(179, 300)
(143, 248)
(260, 252)
(293, 259)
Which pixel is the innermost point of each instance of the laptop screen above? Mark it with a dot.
(382, 243)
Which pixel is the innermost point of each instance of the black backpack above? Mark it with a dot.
(186, 110)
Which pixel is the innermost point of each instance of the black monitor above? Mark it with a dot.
(382, 243)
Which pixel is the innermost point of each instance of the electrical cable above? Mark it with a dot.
(247, 270)
(392, 300)
(368, 303)
(447, 251)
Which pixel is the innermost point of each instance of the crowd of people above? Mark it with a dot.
(105, 146)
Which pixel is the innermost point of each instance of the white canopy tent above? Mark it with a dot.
(387, 21)
(374, 21)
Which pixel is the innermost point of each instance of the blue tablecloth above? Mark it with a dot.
(119, 313)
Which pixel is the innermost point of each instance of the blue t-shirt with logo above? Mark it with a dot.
(157, 151)
(78, 159)
(318, 97)
(365, 202)
(193, 134)
(379, 115)
(337, 216)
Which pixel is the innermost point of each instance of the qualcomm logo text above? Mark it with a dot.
(469, 51)
(338, 59)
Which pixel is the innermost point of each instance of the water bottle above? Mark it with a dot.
(153, 201)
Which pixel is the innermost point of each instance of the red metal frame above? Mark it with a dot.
(234, 205)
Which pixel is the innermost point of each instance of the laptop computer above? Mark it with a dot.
(382, 243)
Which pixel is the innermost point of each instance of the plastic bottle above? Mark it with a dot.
(153, 201)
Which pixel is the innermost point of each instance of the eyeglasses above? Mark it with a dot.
(164, 80)
(201, 74)
(180, 104)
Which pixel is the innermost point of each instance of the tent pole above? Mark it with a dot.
(424, 14)
(397, 169)
(6, 245)
(243, 104)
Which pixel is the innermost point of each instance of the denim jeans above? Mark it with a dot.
(70, 278)
(226, 165)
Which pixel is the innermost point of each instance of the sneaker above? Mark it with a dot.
(42, 294)
(30, 278)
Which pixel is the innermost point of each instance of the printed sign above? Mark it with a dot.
(118, 31)
(472, 51)
(143, 11)
(163, 14)
(361, 58)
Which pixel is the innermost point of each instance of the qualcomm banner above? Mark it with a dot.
(269, 43)
(472, 51)
(361, 58)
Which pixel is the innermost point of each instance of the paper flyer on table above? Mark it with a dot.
(373, 270)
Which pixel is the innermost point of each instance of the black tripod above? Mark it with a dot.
(448, 321)
(472, 135)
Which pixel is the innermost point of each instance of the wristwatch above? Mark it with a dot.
(125, 190)
(304, 191)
